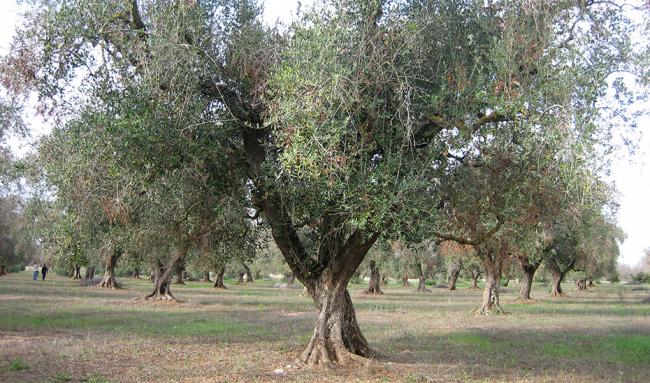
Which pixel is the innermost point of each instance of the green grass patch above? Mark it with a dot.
(18, 365)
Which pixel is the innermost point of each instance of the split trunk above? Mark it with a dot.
(76, 272)
(218, 278)
(163, 276)
(90, 273)
(108, 281)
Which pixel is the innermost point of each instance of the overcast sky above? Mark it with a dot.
(631, 175)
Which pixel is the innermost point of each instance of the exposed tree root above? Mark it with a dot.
(166, 296)
(108, 282)
(494, 310)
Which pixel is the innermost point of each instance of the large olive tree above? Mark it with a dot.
(342, 129)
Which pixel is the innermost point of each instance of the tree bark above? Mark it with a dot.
(152, 276)
(453, 279)
(3, 270)
(206, 277)
(240, 281)
(422, 278)
(556, 285)
(249, 275)
(136, 273)
(76, 272)
(507, 281)
(218, 278)
(163, 276)
(475, 275)
(405, 279)
(528, 269)
(557, 276)
(375, 280)
(108, 281)
(492, 266)
(337, 338)
(528, 272)
(590, 282)
(581, 284)
(90, 273)
(179, 269)
(455, 267)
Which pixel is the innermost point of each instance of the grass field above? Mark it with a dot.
(60, 331)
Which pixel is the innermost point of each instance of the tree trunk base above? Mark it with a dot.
(218, 284)
(162, 293)
(337, 338)
(163, 298)
(108, 282)
(558, 294)
(493, 310)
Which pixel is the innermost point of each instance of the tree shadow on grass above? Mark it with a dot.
(504, 354)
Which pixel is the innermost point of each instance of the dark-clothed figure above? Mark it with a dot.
(44, 270)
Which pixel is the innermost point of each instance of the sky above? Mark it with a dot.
(630, 174)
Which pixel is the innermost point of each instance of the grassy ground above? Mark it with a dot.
(60, 331)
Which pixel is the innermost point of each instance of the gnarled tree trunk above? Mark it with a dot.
(590, 282)
(475, 275)
(90, 273)
(163, 275)
(3, 270)
(179, 270)
(375, 280)
(206, 277)
(581, 284)
(453, 279)
(492, 265)
(218, 278)
(422, 278)
(556, 284)
(405, 279)
(337, 338)
(240, 281)
(152, 276)
(528, 272)
(136, 273)
(76, 272)
(455, 268)
(249, 275)
(108, 281)
(557, 276)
